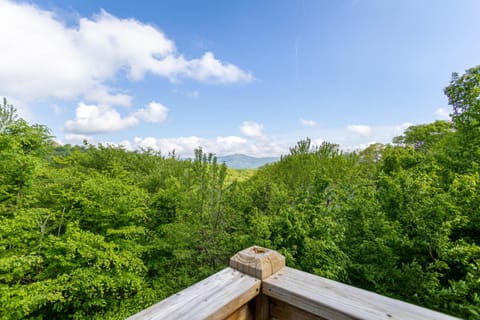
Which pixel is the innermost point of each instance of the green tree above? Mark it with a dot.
(464, 96)
(8, 115)
(423, 137)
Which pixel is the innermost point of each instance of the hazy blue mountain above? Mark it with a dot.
(241, 161)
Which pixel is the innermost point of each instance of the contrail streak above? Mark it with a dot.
(296, 60)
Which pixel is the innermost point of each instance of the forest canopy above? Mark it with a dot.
(99, 232)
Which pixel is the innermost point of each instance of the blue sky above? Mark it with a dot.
(247, 77)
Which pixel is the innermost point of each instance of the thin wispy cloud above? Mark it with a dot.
(296, 61)
(361, 130)
(308, 123)
(442, 113)
(400, 129)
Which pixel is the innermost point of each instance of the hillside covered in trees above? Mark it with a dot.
(97, 232)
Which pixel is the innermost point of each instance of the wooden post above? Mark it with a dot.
(260, 263)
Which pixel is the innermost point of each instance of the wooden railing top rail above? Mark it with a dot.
(259, 286)
(215, 297)
(329, 299)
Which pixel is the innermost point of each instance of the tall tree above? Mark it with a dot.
(464, 96)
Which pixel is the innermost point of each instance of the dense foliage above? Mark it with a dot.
(100, 232)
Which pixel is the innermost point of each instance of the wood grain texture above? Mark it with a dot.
(334, 300)
(262, 307)
(244, 313)
(283, 311)
(258, 262)
(216, 297)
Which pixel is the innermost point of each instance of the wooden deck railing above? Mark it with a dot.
(258, 286)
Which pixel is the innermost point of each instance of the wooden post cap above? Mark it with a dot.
(258, 262)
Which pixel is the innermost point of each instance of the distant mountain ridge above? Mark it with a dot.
(242, 161)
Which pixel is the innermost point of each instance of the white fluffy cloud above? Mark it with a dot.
(442, 113)
(231, 140)
(92, 119)
(358, 147)
(97, 119)
(251, 129)
(73, 138)
(264, 146)
(42, 57)
(208, 68)
(362, 130)
(154, 112)
(181, 145)
(220, 145)
(308, 123)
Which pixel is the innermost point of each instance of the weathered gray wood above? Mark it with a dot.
(334, 300)
(216, 297)
(280, 310)
(260, 263)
